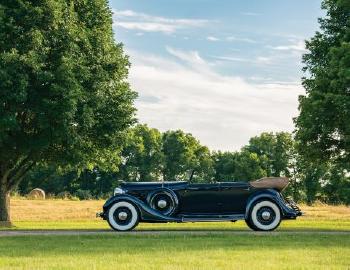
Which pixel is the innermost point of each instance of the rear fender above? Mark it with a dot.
(271, 195)
(146, 212)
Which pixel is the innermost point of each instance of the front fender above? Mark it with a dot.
(146, 213)
(272, 195)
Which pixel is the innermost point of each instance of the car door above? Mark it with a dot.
(233, 197)
(200, 199)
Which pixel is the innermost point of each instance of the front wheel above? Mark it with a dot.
(122, 216)
(264, 216)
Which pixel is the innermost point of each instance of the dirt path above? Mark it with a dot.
(6, 233)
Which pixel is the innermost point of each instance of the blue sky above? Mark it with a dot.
(222, 70)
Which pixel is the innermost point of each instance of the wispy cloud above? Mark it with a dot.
(240, 39)
(263, 60)
(257, 60)
(295, 46)
(222, 111)
(187, 56)
(190, 57)
(211, 38)
(250, 13)
(132, 20)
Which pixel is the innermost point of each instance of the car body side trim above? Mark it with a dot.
(203, 218)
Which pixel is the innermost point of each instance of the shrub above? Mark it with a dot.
(64, 195)
(83, 194)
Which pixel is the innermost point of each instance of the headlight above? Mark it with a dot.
(118, 191)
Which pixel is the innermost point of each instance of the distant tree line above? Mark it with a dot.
(149, 155)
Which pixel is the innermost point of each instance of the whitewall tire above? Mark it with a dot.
(264, 216)
(122, 216)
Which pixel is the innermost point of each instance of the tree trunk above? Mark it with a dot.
(9, 179)
(4, 207)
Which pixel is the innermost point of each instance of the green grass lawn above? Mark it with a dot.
(301, 224)
(170, 251)
(299, 246)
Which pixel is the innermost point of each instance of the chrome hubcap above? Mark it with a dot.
(162, 204)
(265, 215)
(122, 216)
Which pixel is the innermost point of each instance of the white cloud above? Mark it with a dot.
(263, 60)
(222, 111)
(146, 26)
(271, 81)
(211, 38)
(239, 39)
(250, 13)
(191, 57)
(233, 59)
(298, 46)
(132, 20)
(257, 60)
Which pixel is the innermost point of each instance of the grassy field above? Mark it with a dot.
(299, 245)
(211, 251)
(64, 214)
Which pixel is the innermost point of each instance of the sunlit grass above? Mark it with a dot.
(170, 251)
(215, 247)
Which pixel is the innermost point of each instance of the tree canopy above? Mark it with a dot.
(184, 153)
(64, 97)
(323, 126)
(142, 156)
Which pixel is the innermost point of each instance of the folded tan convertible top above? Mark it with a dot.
(279, 183)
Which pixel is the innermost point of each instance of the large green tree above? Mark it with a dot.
(268, 154)
(243, 165)
(336, 185)
(323, 126)
(142, 157)
(64, 97)
(249, 166)
(183, 153)
(310, 176)
(224, 166)
(277, 149)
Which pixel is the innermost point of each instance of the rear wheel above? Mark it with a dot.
(264, 216)
(122, 216)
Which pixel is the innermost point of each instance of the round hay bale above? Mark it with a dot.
(37, 193)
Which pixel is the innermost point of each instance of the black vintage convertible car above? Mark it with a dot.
(260, 203)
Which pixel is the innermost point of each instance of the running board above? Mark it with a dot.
(207, 218)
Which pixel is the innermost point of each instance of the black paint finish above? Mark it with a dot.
(200, 202)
